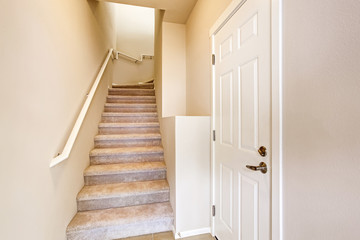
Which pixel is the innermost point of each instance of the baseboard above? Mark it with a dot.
(179, 235)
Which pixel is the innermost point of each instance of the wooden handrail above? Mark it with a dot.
(75, 131)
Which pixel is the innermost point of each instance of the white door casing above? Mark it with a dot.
(242, 101)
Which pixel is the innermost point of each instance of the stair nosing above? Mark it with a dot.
(131, 114)
(126, 151)
(124, 96)
(139, 105)
(139, 136)
(140, 124)
(118, 190)
(132, 89)
(113, 169)
(130, 84)
(123, 172)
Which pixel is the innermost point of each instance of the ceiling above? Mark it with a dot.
(176, 11)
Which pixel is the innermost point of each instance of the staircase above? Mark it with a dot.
(126, 192)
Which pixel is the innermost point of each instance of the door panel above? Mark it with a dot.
(226, 48)
(226, 197)
(249, 198)
(226, 108)
(242, 119)
(248, 103)
(247, 30)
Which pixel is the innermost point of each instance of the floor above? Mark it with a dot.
(168, 236)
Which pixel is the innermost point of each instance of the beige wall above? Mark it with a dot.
(126, 71)
(135, 30)
(134, 37)
(51, 52)
(159, 16)
(198, 49)
(173, 70)
(186, 73)
(321, 120)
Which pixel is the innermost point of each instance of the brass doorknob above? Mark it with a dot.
(262, 151)
(262, 167)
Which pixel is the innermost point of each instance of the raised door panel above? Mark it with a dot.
(226, 109)
(226, 197)
(248, 105)
(248, 208)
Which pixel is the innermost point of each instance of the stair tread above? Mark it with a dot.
(114, 137)
(122, 189)
(130, 99)
(110, 169)
(132, 85)
(119, 216)
(126, 97)
(126, 150)
(130, 105)
(138, 124)
(131, 89)
(131, 114)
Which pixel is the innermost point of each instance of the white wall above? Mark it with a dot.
(186, 142)
(173, 70)
(168, 141)
(321, 115)
(51, 52)
(193, 173)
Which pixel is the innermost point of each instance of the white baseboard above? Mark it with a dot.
(179, 235)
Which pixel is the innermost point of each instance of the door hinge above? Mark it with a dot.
(213, 59)
(214, 136)
(213, 210)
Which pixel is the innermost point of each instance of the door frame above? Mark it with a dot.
(276, 211)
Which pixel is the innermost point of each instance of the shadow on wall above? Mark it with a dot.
(105, 15)
(126, 71)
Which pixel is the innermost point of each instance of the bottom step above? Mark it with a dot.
(123, 222)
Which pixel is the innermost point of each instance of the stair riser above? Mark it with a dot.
(125, 201)
(126, 130)
(125, 177)
(138, 86)
(131, 92)
(121, 119)
(130, 100)
(130, 110)
(127, 143)
(113, 158)
(136, 229)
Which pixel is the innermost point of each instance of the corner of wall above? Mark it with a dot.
(198, 49)
(159, 16)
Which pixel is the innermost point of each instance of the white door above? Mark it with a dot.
(242, 123)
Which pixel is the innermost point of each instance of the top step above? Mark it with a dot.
(138, 86)
(131, 92)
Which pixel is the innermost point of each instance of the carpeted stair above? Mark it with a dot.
(126, 193)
